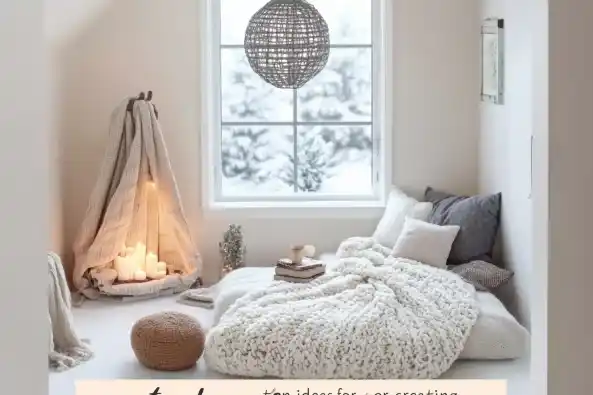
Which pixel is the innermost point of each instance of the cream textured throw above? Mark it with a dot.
(370, 317)
(135, 199)
(66, 350)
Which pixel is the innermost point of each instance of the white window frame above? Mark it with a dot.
(382, 121)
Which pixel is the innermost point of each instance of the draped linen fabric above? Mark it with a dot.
(66, 349)
(135, 200)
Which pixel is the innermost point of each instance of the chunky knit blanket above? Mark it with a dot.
(371, 316)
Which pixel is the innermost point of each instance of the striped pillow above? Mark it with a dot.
(482, 275)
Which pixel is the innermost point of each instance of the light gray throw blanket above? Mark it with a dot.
(66, 349)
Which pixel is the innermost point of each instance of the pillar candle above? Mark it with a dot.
(151, 265)
(122, 266)
(159, 274)
(161, 270)
(140, 275)
(140, 256)
(131, 269)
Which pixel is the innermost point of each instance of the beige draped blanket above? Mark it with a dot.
(135, 200)
(66, 349)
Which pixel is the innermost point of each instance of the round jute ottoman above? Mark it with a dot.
(168, 341)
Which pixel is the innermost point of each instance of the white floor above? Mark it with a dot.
(107, 325)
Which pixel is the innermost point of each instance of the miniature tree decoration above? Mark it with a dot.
(232, 249)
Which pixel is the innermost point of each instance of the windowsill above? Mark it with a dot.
(310, 209)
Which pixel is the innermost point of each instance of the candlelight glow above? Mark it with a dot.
(138, 265)
(141, 263)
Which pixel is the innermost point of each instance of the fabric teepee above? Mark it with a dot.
(135, 224)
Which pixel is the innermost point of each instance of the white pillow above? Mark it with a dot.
(426, 243)
(399, 206)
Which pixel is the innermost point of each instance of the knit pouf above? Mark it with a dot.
(168, 341)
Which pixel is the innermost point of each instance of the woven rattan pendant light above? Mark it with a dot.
(287, 43)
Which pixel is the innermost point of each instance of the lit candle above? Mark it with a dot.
(129, 251)
(131, 269)
(122, 266)
(161, 270)
(140, 256)
(159, 274)
(151, 262)
(139, 275)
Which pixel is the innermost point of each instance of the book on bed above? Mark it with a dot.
(307, 273)
(291, 279)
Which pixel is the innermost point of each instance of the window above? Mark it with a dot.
(323, 142)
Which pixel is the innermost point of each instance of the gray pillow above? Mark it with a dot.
(478, 218)
(484, 276)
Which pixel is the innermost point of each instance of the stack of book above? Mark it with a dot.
(307, 270)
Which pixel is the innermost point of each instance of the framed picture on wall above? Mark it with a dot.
(493, 60)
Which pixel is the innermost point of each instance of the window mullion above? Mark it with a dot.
(295, 139)
(290, 123)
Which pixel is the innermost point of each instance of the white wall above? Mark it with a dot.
(23, 199)
(505, 148)
(104, 50)
(540, 232)
(56, 242)
(561, 118)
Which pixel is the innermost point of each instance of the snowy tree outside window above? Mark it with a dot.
(315, 141)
